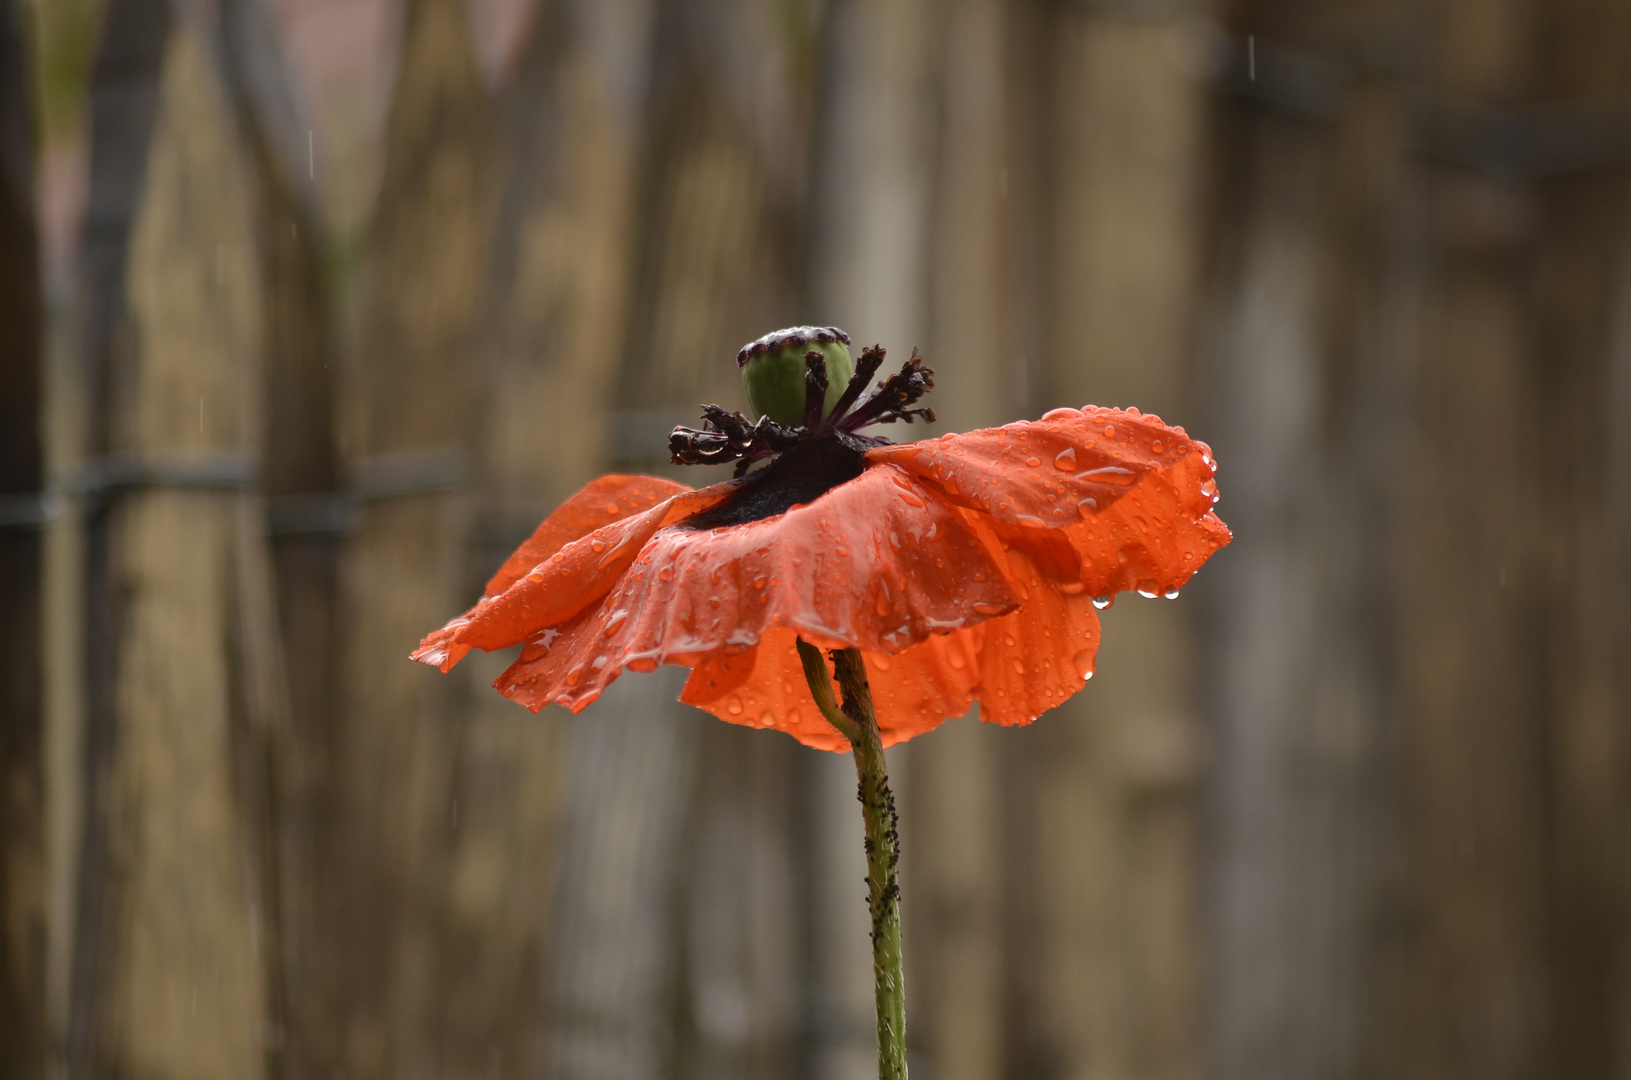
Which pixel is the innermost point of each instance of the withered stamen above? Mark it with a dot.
(729, 436)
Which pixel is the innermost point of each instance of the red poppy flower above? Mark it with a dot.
(965, 568)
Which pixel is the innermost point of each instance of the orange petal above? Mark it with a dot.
(562, 585)
(913, 691)
(599, 503)
(1038, 656)
(1017, 665)
(1132, 495)
(877, 563)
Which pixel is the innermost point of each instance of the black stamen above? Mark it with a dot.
(801, 475)
(815, 389)
(871, 360)
(727, 436)
(814, 456)
(891, 400)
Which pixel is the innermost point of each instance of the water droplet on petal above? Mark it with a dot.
(767, 718)
(1033, 462)
(559, 556)
(1101, 602)
(1019, 666)
(1065, 460)
(880, 661)
(990, 609)
(760, 581)
(1083, 662)
(1148, 594)
(1030, 521)
(1088, 507)
(1072, 588)
(1171, 594)
(1109, 431)
(1156, 446)
(666, 573)
(733, 705)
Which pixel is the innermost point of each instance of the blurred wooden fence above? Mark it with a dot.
(1356, 806)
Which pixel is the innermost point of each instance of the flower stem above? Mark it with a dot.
(858, 723)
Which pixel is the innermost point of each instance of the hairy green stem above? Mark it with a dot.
(858, 723)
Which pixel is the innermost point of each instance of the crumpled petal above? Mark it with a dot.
(598, 503)
(876, 564)
(1133, 496)
(562, 585)
(913, 691)
(1017, 666)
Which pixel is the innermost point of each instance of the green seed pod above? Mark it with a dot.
(773, 370)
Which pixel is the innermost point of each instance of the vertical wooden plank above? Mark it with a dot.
(1615, 628)
(661, 979)
(124, 101)
(741, 916)
(612, 970)
(1579, 292)
(291, 756)
(1306, 357)
(1274, 785)
(22, 780)
(1116, 775)
(181, 978)
(550, 350)
(1474, 989)
(407, 402)
(951, 783)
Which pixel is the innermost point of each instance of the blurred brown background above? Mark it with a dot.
(310, 309)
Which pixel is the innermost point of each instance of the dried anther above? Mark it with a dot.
(729, 436)
(891, 401)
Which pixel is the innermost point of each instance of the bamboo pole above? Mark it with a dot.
(406, 420)
(549, 350)
(661, 974)
(180, 984)
(953, 781)
(1115, 790)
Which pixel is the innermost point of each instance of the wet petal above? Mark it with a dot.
(1038, 656)
(601, 502)
(876, 563)
(560, 586)
(913, 691)
(1132, 496)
